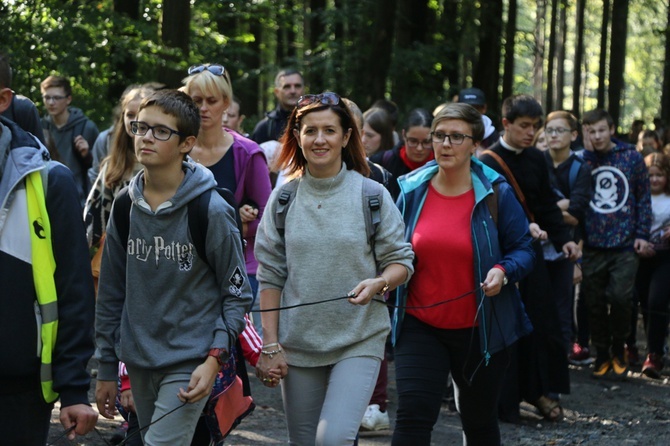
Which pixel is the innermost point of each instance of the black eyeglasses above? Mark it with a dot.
(413, 142)
(215, 69)
(455, 138)
(160, 132)
(327, 98)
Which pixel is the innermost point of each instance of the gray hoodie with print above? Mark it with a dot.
(159, 304)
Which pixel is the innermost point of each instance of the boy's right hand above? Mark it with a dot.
(105, 398)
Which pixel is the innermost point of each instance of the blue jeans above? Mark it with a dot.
(424, 356)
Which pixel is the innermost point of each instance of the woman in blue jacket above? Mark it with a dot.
(469, 233)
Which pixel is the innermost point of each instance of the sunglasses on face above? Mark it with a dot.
(327, 98)
(215, 69)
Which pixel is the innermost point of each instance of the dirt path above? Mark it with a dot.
(632, 412)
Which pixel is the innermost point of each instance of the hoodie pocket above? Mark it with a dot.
(38, 321)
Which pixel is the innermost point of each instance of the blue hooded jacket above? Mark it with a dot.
(502, 318)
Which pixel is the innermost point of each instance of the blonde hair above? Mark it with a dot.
(210, 84)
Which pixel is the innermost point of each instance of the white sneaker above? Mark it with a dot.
(374, 419)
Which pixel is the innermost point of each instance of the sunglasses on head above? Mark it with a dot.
(215, 69)
(327, 98)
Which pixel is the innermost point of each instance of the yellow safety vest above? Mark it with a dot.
(44, 266)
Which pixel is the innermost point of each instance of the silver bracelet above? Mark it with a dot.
(271, 353)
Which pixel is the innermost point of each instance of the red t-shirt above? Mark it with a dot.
(444, 269)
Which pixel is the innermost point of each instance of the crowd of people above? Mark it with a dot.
(321, 247)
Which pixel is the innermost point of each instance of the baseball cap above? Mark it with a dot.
(472, 96)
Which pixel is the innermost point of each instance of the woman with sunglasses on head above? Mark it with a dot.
(461, 310)
(328, 350)
(413, 151)
(238, 163)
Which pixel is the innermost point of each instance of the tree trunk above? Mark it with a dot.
(617, 57)
(510, 33)
(665, 98)
(375, 46)
(538, 59)
(560, 55)
(316, 33)
(579, 54)
(175, 34)
(486, 75)
(121, 61)
(452, 40)
(410, 33)
(602, 67)
(553, 39)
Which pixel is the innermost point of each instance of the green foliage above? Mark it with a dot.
(102, 51)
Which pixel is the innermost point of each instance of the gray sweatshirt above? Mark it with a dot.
(323, 255)
(159, 304)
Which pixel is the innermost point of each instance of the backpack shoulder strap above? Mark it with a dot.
(121, 215)
(373, 196)
(492, 203)
(198, 222)
(512, 181)
(285, 197)
(228, 195)
(574, 171)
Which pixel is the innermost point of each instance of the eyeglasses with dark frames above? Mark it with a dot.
(556, 131)
(215, 69)
(455, 139)
(327, 98)
(160, 132)
(413, 142)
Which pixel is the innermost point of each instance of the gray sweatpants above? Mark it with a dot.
(155, 394)
(325, 405)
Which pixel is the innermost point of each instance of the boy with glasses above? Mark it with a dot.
(168, 314)
(571, 180)
(69, 133)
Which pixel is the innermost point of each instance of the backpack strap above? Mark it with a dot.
(512, 181)
(373, 194)
(492, 203)
(198, 222)
(574, 171)
(198, 219)
(121, 214)
(285, 197)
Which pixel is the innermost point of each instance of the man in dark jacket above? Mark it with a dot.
(289, 86)
(543, 366)
(47, 300)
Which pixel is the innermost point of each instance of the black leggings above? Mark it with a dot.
(424, 356)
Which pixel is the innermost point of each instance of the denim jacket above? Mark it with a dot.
(502, 318)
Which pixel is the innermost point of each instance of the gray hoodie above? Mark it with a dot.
(159, 304)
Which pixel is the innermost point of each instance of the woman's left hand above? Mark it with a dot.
(363, 293)
(494, 282)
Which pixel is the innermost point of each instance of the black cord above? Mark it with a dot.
(406, 307)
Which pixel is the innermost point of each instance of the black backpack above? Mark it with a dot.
(197, 216)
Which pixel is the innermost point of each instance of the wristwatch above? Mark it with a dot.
(221, 355)
(385, 288)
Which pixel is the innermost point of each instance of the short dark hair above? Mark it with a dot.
(596, 115)
(178, 104)
(419, 117)
(5, 72)
(57, 82)
(521, 105)
(390, 107)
